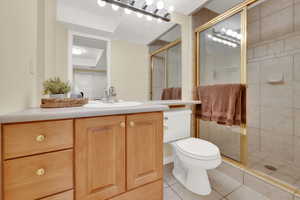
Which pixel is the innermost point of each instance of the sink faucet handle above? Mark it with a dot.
(112, 91)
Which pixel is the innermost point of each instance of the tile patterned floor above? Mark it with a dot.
(224, 188)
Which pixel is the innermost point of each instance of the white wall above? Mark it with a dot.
(33, 48)
(18, 34)
(130, 70)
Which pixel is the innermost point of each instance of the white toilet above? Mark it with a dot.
(192, 156)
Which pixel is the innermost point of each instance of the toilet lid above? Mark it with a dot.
(199, 149)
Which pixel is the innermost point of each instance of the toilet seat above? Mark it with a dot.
(198, 149)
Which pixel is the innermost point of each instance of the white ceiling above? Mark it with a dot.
(87, 16)
(220, 6)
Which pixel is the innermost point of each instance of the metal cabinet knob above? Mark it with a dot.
(40, 172)
(132, 124)
(40, 138)
(122, 124)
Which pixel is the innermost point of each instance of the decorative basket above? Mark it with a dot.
(63, 103)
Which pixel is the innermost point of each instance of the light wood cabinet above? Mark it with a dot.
(144, 149)
(100, 157)
(38, 176)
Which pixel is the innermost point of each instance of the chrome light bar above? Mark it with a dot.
(143, 10)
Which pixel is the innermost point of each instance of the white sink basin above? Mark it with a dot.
(99, 104)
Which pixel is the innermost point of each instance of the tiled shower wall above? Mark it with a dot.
(274, 109)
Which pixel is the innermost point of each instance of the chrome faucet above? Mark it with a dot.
(110, 95)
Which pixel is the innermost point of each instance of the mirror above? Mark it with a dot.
(166, 65)
(113, 47)
(89, 61)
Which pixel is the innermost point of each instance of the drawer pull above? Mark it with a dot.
(122, 124)
(40, 138)
(132, 124)
(40, 172)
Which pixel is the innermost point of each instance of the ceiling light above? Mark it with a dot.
(78, 51)
(127, 11)
(149, 2)
(171, 9)
(115, 7)
(139, 15)
(149, 18)
(160, 5)
(101, 3)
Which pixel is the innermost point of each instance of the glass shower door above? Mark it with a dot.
(220, 63)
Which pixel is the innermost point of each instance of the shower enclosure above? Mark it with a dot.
(166, 69)
(257, 43)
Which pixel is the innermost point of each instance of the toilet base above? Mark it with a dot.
(194, 180)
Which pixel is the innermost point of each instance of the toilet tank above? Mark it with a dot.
(177, 124)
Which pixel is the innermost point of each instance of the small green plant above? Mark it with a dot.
(56, 86)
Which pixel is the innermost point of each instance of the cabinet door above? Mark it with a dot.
(100, 157)
(144, 149)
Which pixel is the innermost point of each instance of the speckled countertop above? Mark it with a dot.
(41, 114)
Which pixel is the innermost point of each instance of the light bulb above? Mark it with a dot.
(127, 11)
(149, 18)
(159, 20)
(149, 2)
(115, 7)
(139, 15)
(101, 3)
(160, 5)
(171, 9)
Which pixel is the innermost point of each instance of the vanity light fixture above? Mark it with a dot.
(101, 3)
(115, 7)
(159, 11)
(78, 51)
(222, 41)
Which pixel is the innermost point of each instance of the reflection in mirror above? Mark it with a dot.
(89, 61)
(166, 65)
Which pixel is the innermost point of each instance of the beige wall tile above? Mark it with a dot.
(253, 140)
(277, 120)
(253, 95)
(253, 14)
(260, 51)
(297, 15)
(250, 53)
(277, 95)
(253, 32)
(297, 150)
(270, 26)
(253, 72)
(266, 189)
(253, 116)
(275, 48)
(297, 123)
(292, 43)
(275, 66)
(297, 67)
(279, 147)
(272, 6)
(296, 94)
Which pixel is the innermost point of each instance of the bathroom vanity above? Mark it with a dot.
(83, 154)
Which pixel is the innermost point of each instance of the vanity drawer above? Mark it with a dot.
(38, 176)
(39, 137)
(69, 195)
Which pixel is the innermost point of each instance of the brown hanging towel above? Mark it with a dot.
(224, 104)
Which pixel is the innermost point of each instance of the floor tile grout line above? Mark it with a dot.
(176, 192)
(233, 191)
